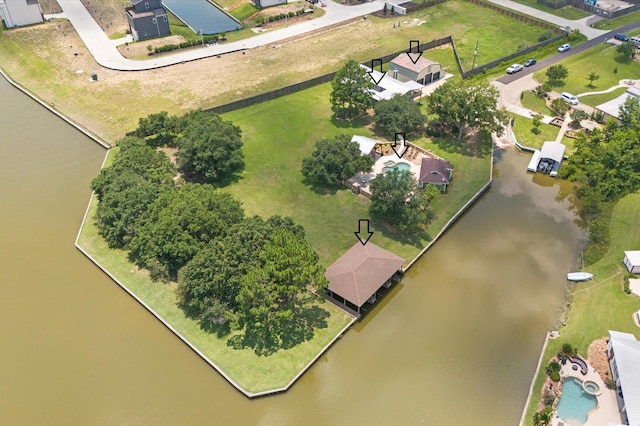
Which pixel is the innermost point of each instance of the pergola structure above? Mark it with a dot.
(355, 278)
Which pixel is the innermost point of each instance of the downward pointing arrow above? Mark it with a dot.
(378, 61)
(363, 231)
(414, 56)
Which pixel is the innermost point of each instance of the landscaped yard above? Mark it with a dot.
(535, 103)
(608, 66)
(599, 305)
(279, 133)
(593, 100)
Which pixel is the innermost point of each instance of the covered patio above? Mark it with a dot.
(355, 278)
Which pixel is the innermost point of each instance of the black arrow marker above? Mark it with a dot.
(363, 232)
(414, 56)
(399, 137)
(371, 72)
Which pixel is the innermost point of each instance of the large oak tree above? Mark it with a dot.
(350, 95)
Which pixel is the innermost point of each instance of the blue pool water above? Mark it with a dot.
(202, 15)
(399, 166)
(575, 404)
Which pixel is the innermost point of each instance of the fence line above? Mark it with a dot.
(591, 8)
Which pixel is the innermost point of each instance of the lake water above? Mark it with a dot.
(455, 343)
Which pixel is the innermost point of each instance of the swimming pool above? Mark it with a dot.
(399, 166)
(575, 403)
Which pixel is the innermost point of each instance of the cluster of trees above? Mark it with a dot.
(245, 273)
(334, 161)
(605, 168)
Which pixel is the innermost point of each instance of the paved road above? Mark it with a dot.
(106, 54)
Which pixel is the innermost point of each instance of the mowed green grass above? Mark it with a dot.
(610, 24)
(566, 12)
(278, 134)
(582, 64)
(522, 129)
(243, 11)
(593, 100)
(252, 372)
(535, 103)
(600, 305)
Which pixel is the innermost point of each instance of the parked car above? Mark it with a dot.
(514, 69)
(530, 62)
(621, 37)
(569, 98)
(564, 47)
(635, 40)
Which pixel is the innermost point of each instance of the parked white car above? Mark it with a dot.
(514, 68)
(564, 47)
(569, 98)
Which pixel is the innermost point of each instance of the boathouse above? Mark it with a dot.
(355, 278)
(632, 261)
(548, 159)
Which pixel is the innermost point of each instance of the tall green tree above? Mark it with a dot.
(209, 148)
(629, 114)
(627, 50)
(350, 95)
(468, 105)
(180, 223)
(159, 124)
(398, 115)
(557, 73)
(334, 161)
(397, 199)
(560, 107)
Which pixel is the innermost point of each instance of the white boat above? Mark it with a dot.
(579, 276)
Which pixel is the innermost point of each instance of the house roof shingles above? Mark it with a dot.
(361, 271)
(403, 60)
(435, 170)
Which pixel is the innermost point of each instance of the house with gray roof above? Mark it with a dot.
(355, 278)
(612, 108)
(147, 19)
(16, 13)
(623, 350)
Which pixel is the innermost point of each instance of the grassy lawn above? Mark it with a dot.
(600, 305)
(535, 103)
(278, 134)
(252, 372)
(582, 64)
(610, 24)
(243, 11)
(566, 12)
(522, 129)
(593, 100)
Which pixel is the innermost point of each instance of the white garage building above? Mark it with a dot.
(15, 13)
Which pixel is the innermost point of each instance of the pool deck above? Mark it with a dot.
(607, 410)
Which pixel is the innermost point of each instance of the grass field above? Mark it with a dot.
(252, 372)
(566, 12)
(599, 305)
(243, 11)
(593, 100)
(610, 24)
(535, 103)
(582, 64)
(278, 134)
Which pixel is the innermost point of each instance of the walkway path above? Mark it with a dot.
(105, 53)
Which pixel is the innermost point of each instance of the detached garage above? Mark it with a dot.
(632, 261)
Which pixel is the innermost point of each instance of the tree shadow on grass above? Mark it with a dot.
(322, 189)
(355, 123)
(476, 145)
(417, 238)
(282, 334)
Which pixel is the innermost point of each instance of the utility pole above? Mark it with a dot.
(475, 53)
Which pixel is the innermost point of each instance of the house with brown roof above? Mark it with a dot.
(424, 70)
(355, 278)
(435, 171)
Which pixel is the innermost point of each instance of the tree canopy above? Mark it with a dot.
(397, 199)
(210, 147)
(350, 95)
(556, 73)
(627, 50)
(468, 106)
(398, 115)
(335, 160)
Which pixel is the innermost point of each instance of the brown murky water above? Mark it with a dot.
(455, 343)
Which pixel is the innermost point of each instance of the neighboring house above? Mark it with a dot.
(435, 171)
(623, 350)
(632, 261)
(424, 71)
(612, 107)
(147, 19)
(268, 3)
(548, 159)
(388, 87)
(355, 278)
(15, 13)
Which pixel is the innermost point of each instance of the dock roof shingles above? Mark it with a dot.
(361, 271)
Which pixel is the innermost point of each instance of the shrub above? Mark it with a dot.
(555, 376)
(259, 19)
(625, 285)
(553, 366)
(545, 36)
(610, 383)
(549, 399)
